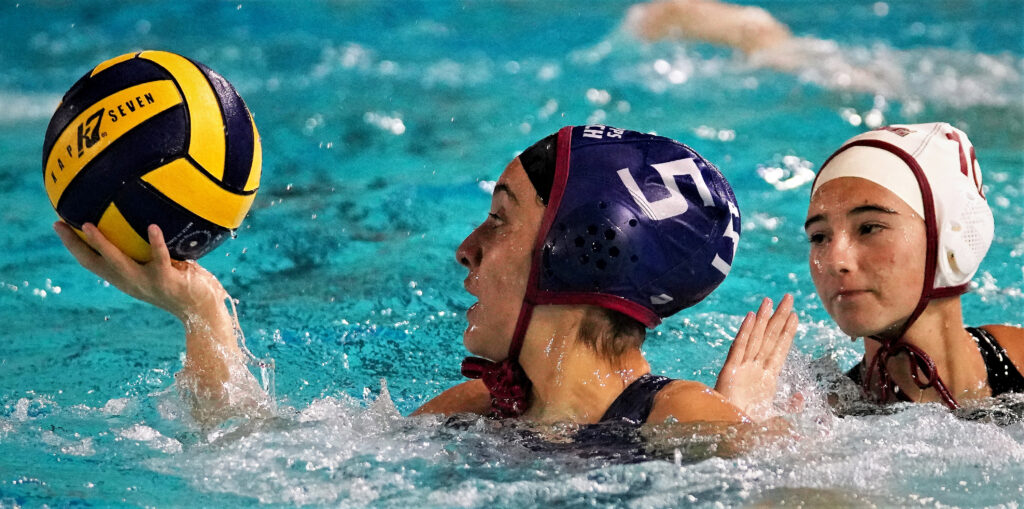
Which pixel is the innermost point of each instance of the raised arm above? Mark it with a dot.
(215, 376)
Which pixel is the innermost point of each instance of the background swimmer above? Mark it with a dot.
(764, 41)
(932, 74)
(749, 29)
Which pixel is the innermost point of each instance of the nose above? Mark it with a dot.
(469, 253)
(837, 257)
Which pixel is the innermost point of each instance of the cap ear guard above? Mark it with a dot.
(964, 240)
(964, 220)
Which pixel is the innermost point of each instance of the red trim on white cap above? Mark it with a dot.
(928, 291)
(952, 135)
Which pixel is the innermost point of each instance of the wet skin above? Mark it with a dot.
(867, 260)
(498, 255)
(867, 255)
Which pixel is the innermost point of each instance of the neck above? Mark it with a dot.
(570, 380)
(939, 332)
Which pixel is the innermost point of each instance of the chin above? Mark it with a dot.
(856, 328)
(481, 347)
(855, 331)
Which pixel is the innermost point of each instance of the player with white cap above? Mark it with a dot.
(898, 225)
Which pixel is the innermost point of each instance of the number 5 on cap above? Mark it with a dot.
(675, 203)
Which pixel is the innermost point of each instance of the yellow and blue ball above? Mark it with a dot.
(153, 138)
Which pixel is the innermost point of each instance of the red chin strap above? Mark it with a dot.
(506, 380)
(916, 358)
(895, 345)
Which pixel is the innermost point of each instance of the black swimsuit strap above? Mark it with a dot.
(856, 373)
(635, 402)
(1003, 376)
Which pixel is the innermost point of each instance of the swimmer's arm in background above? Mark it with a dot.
(751, 371)
(466, 397)
(214, 372)
(746, 28)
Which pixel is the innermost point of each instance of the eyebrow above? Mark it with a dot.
(857, 210)
(507, 190)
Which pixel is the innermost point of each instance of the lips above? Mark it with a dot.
(844, 295)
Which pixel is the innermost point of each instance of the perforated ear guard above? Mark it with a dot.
(963, 240)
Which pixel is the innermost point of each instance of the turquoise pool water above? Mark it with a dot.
(379, 123)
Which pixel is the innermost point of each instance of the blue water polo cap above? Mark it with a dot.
(637, 223)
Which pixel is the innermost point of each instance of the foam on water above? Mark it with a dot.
(343, 451)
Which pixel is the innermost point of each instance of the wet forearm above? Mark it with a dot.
(215, 373)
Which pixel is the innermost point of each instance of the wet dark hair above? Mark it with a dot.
(539, 162)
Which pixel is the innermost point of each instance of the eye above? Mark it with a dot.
(495, 219)
(816, 238)
(869, 228)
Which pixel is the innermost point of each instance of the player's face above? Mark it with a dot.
(867, 255)
(498, 255)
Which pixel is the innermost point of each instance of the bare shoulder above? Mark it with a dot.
(1011, 339)
(467, 397)
(689, 401)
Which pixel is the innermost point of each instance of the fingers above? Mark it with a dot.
(160, 256)
(757, 331)
(779, 333)
(118, 261)
(739, 345)
(776, 323)
(785, 341)
(766, 336)
(85, 255)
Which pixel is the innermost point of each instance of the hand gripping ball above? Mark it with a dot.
(153, 138)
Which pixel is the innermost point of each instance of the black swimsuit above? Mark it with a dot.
(636, 401)
(1003, 376)
(617, 437)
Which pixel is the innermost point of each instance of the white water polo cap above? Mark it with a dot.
(933, 168)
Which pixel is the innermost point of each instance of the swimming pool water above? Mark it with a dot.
(379, 123)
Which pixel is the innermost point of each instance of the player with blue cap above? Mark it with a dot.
(594, 233)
